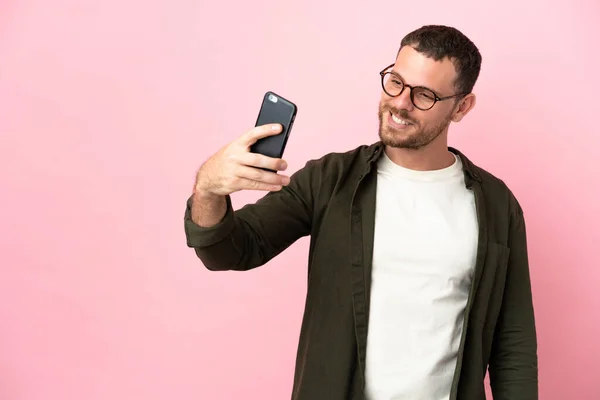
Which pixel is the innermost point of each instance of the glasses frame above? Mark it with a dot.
(436, 98)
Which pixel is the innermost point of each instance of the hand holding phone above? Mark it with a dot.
(234, 167)
(251, 162)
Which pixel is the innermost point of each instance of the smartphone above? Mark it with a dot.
(275, 109)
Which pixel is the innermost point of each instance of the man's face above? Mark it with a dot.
(401, 124)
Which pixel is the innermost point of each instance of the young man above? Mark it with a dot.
(418, 268)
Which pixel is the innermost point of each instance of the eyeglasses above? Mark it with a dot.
(422, 98)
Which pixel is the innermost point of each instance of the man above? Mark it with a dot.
(418, 268)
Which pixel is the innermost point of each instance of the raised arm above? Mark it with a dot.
(225, 239)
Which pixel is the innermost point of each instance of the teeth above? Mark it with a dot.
(399, 121)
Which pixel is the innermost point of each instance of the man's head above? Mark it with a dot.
(429, 86)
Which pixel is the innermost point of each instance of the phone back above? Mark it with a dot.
(275, 109)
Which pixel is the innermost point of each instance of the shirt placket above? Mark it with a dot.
(362, 220)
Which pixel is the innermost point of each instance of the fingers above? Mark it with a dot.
(261, 176)
(238, 183)
(235, 168)
(255, 185)
(260, 161)
(259, 132)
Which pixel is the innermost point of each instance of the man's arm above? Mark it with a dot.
(513, 361)
(207, 209)
(228, 240)
(250, 237)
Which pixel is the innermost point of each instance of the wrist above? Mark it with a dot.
(203, 194)
(200, 188)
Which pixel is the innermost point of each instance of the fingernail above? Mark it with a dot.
(283, 165)
(275, 127)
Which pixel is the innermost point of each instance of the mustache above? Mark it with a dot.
(400, 113)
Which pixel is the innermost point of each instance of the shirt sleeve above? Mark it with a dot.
(513, 361)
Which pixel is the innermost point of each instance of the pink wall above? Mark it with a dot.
(108, 107)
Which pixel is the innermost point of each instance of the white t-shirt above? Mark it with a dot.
(425, 245)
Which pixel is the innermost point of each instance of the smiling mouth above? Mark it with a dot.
(399, 120)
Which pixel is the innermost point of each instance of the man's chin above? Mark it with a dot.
(403, 144)
(398, 141)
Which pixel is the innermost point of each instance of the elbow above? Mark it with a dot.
(219, 261)
(232, 253)
(214, 262)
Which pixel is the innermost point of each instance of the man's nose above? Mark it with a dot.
(403, 101)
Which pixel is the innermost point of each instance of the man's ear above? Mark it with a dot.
(465, 105)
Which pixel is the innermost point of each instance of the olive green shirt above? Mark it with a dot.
(333, 200)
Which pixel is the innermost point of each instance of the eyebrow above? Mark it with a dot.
(436, 92)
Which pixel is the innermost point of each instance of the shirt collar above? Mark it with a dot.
(376, 149)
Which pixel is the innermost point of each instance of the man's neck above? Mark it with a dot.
(428, 158)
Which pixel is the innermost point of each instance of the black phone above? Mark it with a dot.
(275, 110)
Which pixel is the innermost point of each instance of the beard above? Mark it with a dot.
(418, 136)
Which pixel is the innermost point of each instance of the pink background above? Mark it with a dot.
(108, 107)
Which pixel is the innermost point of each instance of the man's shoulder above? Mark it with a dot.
(335, 170)
(345, 160)
(495, 189)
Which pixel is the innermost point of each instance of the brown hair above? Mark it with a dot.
(439, 42)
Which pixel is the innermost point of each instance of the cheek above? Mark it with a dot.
(383, 107)
(432, 118)
(419, 117)
(382, 104)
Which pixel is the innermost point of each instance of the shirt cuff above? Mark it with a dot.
(198, 236)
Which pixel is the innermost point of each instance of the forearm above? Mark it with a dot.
(225, 239)
(208, 209)
(513, 364)
(216, 235)
(514, 369)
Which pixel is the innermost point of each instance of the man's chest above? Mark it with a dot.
(427, 230)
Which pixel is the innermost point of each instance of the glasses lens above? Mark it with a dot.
(392, 84)
(423, 98)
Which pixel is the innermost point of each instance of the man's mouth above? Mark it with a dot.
(399, 120)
